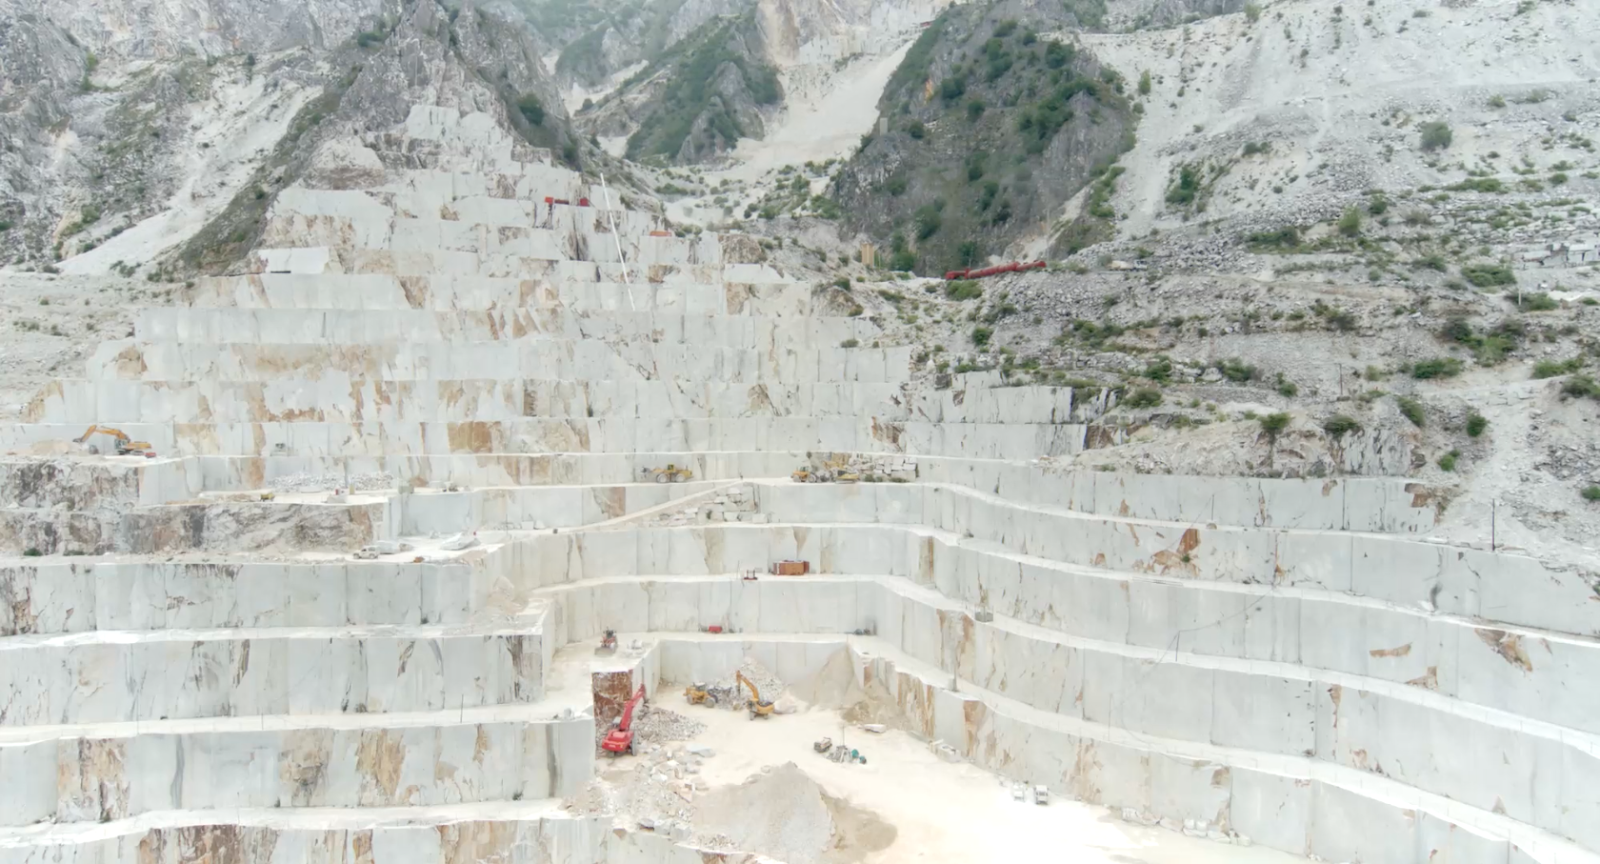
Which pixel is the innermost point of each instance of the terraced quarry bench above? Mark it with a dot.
(192, 673)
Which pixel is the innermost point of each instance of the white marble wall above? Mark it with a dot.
(378, 327)
(551, 359)
(176, 767)
(523, 834)
(56, 596)
(1281, 802)
(121, 676)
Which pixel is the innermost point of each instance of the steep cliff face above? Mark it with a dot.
(987, 128)
(154, 135)
(697, 99)
(127, 123)
(470, 58)
(616, 36)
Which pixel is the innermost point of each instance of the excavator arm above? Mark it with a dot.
(114, 433)
(755, 695)
(626, 723)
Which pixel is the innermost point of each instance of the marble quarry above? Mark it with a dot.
(193, 670)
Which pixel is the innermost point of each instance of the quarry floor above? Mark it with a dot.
(939, 811)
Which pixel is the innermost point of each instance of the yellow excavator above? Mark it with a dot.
(758, 707)
(125, 446)
(698, 694)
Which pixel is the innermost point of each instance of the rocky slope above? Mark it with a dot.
(986, 129)
(696, 100)
(157, 137)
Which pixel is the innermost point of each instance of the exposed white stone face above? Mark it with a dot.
(1288, 660)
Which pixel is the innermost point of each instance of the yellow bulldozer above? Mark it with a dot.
(124, 445)
(671, 474)
(698, 694)
(758, 707)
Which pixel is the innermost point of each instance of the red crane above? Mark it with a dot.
(620, 739)
(979, 273)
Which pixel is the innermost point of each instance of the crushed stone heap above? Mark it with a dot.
(222, 651)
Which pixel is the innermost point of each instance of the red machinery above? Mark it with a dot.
(1013, 267)
(620, 739)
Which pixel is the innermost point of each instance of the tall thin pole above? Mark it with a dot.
(614, 235)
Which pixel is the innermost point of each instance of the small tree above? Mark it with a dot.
(1144, 83)
(1273, 425)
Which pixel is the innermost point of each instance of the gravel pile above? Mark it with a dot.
(369, 482)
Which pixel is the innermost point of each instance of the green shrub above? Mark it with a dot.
(1288, 389)
(1236, 370)
(929, 220)
(1411, 409)
(1448, 460)
(1478, 184)
(1159, 369)
(1273, 424)
(963, 289)
(1476, 423)
(981, 336)
(1488, 275)
(531, 109)
(916, 130)
(1579, 386)
(1143, 398)
(1184, 190)
(1350, 222)
(1287, 237)
(1437, 367)
(1553, 368)
(1591, 493)
(1144, 83)
(31, 552)
(1252, 12)
(1340, 425)
(850, 343)
(1436, 135)
(1540, 302)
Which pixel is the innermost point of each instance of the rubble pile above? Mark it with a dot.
(654, 725)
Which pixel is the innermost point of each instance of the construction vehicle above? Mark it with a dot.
(805, 475)
(671, 474)
(758, 707)
(125, 446)
(699, 694)
(620, 739)
(847, 477)
(608, 643)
